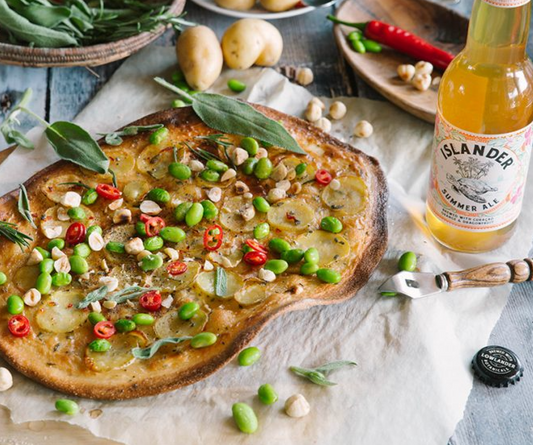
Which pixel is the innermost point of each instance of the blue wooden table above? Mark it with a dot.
(492, 416)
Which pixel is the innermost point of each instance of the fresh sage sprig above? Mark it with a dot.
(24, 206)
(7, 128)
(93, 297)
(319, 375)
(235, 117)
(10, 232)
(149, 352)
(115, 138)
(221, 282)
(129, 293)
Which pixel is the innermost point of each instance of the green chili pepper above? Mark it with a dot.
(358, 46)
(371, 46)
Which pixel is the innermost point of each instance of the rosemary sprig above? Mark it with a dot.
(10, 232)
(113, 178)
(24, 206)
(78, 184)
(217, 139)
(202, 154)
(319, 375)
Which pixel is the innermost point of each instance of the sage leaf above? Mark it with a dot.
(74, 144)
(318, 375)
(129, 293)
(115, 138)
(13, 136)
(93, 297)
(333, 366)
(149, 352)
(231, 116)
(221, 282)
(24, 206)
(48, 16)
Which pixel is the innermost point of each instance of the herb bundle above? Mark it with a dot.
(46, 24)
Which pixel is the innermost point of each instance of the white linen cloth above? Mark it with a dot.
(413, 378)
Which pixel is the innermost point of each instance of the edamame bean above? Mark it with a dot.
(250, 145)
(261, 230)
(181, 211)
(15, 305)
(178, 103)
(159, 195)
(371, 46)
(153, 243)
(89, 197)
(407, 261)
(358, 46)
(76, 213)
(3, 278)
(44, 283)
(309, 268)
(61, 279)
(278, 245)
(203, 340)
(276, 266)
(143, 319)
(248, 166)
(182, 85)
(78, 264)
(172, 234)
(140, 228)
(179, 171)
(210, 175)
(178, 76)
(217, 166)
(267, 394)
(115, 247)
(249, 356)
(210, 210)
(151, 262)
(329, 275)
(263, 168)
(100, 345)
(236, 86)
(261, 204)
(245, 418)
(311, 255)
(96, 317)
(43, 252)
(82, 250)
(124, 325)
(46, 265)
(90, 230)
(188, 310)
(194, 215)
(331, 224)
(58, 242)
(293, 256)
(158, 136)
(300, 169)
(67, 406)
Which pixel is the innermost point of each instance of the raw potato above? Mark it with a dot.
(199, 57)
(278, 5)
(251, 41)
(238, 5)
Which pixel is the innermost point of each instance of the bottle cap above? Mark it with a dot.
(497, 366)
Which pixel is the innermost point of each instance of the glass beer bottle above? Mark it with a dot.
(483, 131)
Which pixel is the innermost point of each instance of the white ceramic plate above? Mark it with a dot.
(257, 12)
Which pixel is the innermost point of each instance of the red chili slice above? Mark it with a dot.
(144, 217)
(19, 326)
(253, 244)
(255, 258)
(154, 225)
(76, 233)
(177, 268)
(104, 329)
(151, 301)
(213, 237)
(108, 191)
(323, 177)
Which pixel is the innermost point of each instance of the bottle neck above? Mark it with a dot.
(498, 35)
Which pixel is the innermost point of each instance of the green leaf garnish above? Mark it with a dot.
(129, 293)
(10, 232)
(319, 375)
(92, 297)
(235, 117)
(79, 184)
(24, 206)
(7, 128)
(221, 282)
(115, 138)
(148, 352)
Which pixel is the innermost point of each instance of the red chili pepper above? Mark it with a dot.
(323, 177)
(154, 225)
(402, 41)
(255, 258)
(151, 301)
(253, 244)
(108, 191)
(144, 217)
(213, 237)
(76, 233)
(104, 329)
(19, 326)
(177, 268)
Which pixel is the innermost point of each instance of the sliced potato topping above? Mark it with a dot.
(134, 191)
(50, 220)
(206, 283)
(58, 313)
(232, 219)
(330, 246)
(162, 280)
(252, 294)
(54, 191)
(170, 325)
(155, 160)
(292, 215)
(25, 277)
(350, 197)
(119, 356)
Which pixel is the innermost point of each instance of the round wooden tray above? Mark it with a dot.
(84, 56)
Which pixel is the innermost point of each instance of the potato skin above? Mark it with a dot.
(238, 5)
(278, 5)
(251, 41)
(199, 57)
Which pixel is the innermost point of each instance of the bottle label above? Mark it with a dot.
(506, 3)
(477, 180)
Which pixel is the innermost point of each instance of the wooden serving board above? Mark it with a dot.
(440, 26)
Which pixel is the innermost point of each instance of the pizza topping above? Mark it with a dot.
(75, 233)
(196, 166)
(117, 204)
(32, 297)
(52, 232)
(96, 242)
(153, 226)
(173, 254)
(122, 216)
(6, 379)
(150, 207)
(109, 304)
(104, 329)
(240, 156)
(213, 237)
(283, 185)
(151, 301)
(134, 246)
(323, 177)
(100, 345)
(62, 265)
(254, 245)
(110, 282)
(35, 258)
(229, 174)
(19, 326)
(96, 308)
(177, 268)
(215, 194)
(208, 265)
(57, 253)
(279, 173)
(71, 200)
(276, 194)
(108, 192)
(247, 212)
(255, 258)
(62, 214)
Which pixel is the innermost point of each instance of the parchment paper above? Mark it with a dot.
(413, 377)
